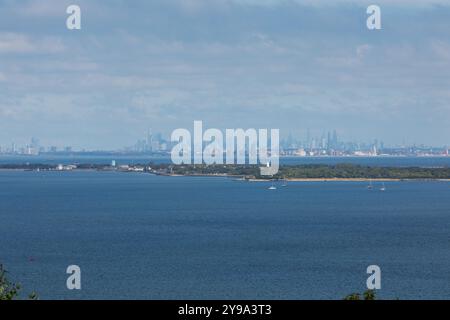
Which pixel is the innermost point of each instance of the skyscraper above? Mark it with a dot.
(335, 140)
(308, 139)
(329, 142)
(149, 140)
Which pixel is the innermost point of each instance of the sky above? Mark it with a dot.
(161, 64)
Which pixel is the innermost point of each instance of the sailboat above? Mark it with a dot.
(284, 183)
(370, 187)
(383, 187)
(272, 187)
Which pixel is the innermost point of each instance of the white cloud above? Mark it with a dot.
(225, 70)
(362, 50)
(21, 43)
(441, 49)
(317, 3)
(15, 43)
(41, 8)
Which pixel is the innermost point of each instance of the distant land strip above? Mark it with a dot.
(313, 172)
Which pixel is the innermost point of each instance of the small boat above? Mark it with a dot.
(370, 187)
(272, 187)
(383, 187)
(284, 183)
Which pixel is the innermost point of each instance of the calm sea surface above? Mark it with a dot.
(149, 237)
(143, 159)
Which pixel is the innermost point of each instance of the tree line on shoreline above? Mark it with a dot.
(312, 171)
(339, 171)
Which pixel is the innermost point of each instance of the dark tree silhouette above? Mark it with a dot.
(9, 290)
(367, 295)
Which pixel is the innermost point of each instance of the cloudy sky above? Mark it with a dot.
(282, 64)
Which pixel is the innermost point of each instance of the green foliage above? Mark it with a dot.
(348, 171)
(8, 290)
(353, 296)
(367, 295)
(339, 171)
(33, 296)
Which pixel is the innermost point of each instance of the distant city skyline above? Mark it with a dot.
(287, 64)
(329, 142)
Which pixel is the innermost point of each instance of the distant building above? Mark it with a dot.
(300, 152)
(335, 140)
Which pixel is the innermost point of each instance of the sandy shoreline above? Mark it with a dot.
(345, 180)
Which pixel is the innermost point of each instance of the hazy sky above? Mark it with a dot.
(162, 64)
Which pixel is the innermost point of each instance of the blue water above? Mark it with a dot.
(393, 161)
(149, 237)
(56, 159)
(143, 159)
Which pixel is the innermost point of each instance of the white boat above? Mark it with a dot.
(272, 187)
(383, 187)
